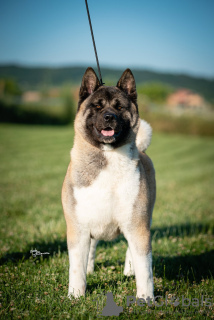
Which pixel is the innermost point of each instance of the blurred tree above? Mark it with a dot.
(155, 91)
(69, 104)
(10, 87)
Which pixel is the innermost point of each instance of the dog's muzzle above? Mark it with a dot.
(109, 119)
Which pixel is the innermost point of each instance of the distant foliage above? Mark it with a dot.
(156, 92)
(9, 87)
(169, 123)
(12, 112)
(70, 110)
(68, 101)
(32, 78)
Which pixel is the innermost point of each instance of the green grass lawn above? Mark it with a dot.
(33, 163)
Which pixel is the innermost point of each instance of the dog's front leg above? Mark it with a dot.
(140, 248)
(78, 259)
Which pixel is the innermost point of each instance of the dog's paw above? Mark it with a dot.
(76, 292)
(90, 269)
(148, 296)
(128, 272)
(70, 296)
(73, 295)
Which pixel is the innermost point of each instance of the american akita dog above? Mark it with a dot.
(109, 187)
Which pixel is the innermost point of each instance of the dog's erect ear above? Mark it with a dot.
(127, 84)
(90, 83)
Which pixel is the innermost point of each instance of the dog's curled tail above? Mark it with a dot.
(144, 136)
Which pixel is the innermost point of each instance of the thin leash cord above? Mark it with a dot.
(95, 50)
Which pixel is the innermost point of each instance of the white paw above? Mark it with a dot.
(148, 294)
(76, 292)
(90, 269)
(73, 295)
(146, 297)
(128, 269)
(128, 272)
(70, 295)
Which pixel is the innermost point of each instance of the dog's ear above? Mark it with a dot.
(90, 83)
(127, 84)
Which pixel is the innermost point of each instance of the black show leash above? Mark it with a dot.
(95, 50)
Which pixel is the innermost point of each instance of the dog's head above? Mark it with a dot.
(107, 115)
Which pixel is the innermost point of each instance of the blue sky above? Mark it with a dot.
(165, 35)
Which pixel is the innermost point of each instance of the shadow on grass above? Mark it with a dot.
(95, 283)
(183, 230)
(51, 247)
(187, 268)
(195, 267)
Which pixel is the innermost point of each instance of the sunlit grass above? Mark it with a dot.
(32, 168)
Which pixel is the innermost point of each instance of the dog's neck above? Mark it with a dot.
(107, 147)
(90, 151)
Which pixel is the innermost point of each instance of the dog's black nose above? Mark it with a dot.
(109, 116)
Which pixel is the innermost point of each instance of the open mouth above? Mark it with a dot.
(107, 132)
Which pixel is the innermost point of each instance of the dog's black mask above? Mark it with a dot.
(108, 112)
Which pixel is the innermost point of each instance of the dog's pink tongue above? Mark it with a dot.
(107, 133)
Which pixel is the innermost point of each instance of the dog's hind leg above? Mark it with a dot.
(129, 268)
(91, 257)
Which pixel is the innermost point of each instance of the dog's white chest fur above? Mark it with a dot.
(107, 203)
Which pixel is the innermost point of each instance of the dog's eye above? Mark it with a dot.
(119, 107)
(98, 106)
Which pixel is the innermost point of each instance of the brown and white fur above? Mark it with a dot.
(109, 187)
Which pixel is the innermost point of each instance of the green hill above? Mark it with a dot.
(35, 77)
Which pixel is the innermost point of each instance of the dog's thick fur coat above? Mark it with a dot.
(109, 187)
